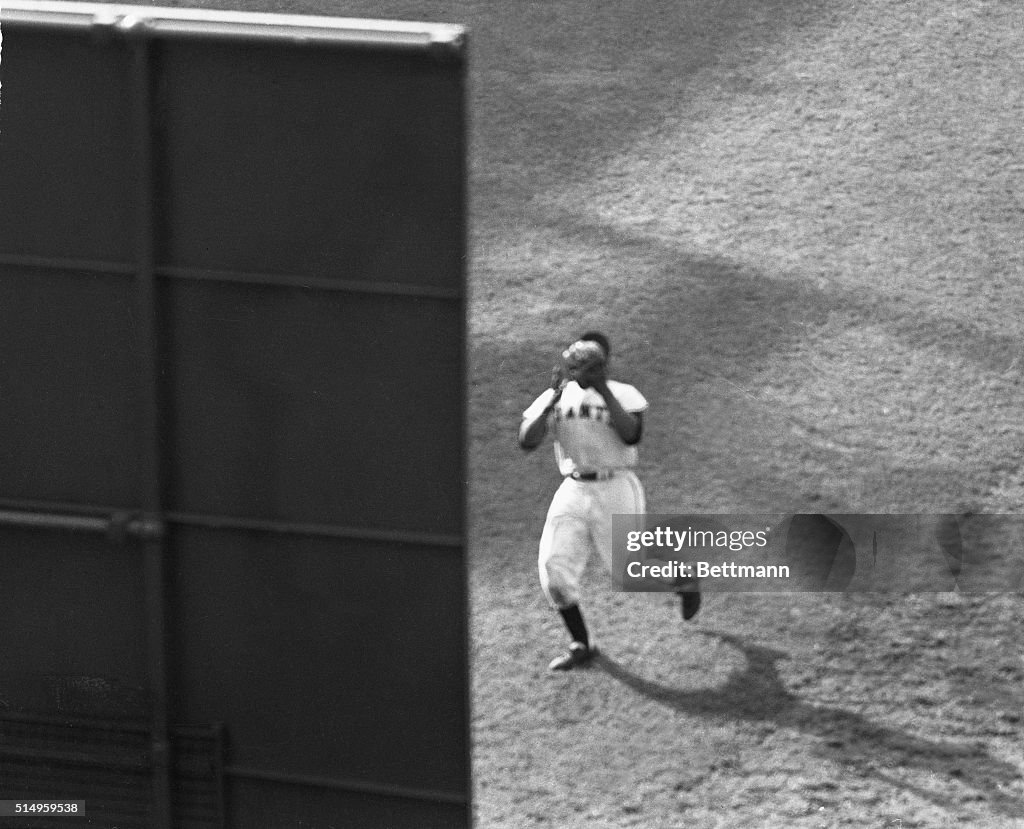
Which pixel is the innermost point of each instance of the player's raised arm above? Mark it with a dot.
(532, 430)
(628, 425)
(535, 420)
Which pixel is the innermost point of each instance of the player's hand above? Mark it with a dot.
(594, 375)
(558, 380)
(584, 362)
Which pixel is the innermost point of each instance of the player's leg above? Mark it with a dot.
(624, 495)
(564, 550)
(620, 495)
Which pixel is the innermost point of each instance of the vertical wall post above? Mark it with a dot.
(150, 451)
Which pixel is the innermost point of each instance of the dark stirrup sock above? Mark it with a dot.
(574, 621)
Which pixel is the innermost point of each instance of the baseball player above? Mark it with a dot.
(597, 424)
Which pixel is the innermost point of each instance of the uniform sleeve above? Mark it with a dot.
(540, 404)
(630, 399)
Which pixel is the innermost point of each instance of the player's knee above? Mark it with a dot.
(551, 586)
(557, 596)
(553, 581)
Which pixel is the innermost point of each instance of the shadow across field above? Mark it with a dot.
(704, 338)
(758, 694)
(699, 313)
(723, 308)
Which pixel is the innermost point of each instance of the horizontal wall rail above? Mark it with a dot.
(117, 524)
(274, 280)
(435, 38)
(117, 527)
(356, 786)
(54, 263)
(225, 522)
(321, 283)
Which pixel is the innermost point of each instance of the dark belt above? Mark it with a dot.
(593, 476)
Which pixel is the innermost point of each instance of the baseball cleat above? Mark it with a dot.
(578, 655)
(689, 604)
(688, 591)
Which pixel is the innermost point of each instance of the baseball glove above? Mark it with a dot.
(583, 359)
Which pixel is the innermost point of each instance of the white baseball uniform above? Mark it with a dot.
(599, 482)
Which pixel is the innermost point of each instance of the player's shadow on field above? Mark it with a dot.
(758, 694)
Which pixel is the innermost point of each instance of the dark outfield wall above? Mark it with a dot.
(231, 393)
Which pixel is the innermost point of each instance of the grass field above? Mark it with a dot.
(801, 225)
(800, 222)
